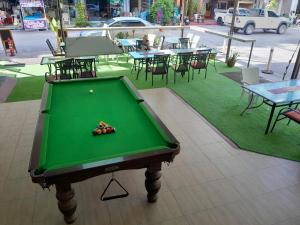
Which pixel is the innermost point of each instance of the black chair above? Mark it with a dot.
(64, 70)
(288, 113)
(139, 45)
(182, 64)
(54, 53)
(86, 67)
(213, 56)
(184, 42)
(199, 61)
(138, 63)
(159, 65)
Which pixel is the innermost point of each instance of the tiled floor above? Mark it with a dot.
(211, 182)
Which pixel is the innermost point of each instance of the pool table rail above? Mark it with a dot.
(87, 170)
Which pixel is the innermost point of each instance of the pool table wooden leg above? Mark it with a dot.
(66, 202)
(152, 182)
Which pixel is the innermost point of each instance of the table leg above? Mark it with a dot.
(152, 182)
(50, 69)
(66, 202)
(249, 104)
(270, 118)
(147, 62)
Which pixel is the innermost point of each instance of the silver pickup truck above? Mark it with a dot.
(259, 19)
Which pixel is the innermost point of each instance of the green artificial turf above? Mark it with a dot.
(217, 98)
(27, 88)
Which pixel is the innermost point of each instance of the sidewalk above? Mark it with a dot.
(204, 23)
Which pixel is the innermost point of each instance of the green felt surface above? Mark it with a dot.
(72, 113)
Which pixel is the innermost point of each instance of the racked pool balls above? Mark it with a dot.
(103, 128)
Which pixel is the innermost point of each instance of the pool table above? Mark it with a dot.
(65, 151)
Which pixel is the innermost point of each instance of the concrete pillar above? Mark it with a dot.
(280, 7)
(294, 5)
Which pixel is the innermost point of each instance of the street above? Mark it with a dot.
(32, 46)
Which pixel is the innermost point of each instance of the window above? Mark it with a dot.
(134, 24)
(117, 24)
(243, 12)
(222, 5)
(272, 14)
(254, 12)
(262, 13)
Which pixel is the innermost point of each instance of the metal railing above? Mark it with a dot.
(161, 29)
(227, 36)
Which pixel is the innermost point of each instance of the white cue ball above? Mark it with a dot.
(91, 91)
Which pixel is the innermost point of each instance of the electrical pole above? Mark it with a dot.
(60, 21)
(231, 31)
(296, 67)
(182, 9)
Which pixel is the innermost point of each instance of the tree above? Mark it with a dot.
(192, 6)
(81, 19)
(273, 4)
(166, 7)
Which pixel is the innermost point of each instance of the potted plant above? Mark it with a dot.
(232, 59)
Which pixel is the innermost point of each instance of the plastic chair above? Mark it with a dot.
(249, 76)
(195, 41)
(160, 44)
(151, 39)
(190, 36)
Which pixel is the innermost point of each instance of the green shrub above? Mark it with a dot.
(167, 7)
(192, 7)
(81, 19)
(122, 35)
(273, 5)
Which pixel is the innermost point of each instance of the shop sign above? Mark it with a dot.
(31, 3)
(35, 24)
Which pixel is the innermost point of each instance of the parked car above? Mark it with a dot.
(118, 22)
(92, 7)
(220, 14)
(259, 19)
(298, 22)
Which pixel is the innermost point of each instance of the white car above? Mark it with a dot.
(298, 22)
(259, 19)
(118, 22)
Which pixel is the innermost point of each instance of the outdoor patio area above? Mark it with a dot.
(210, 182)
(232, 168)
(217, 98)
